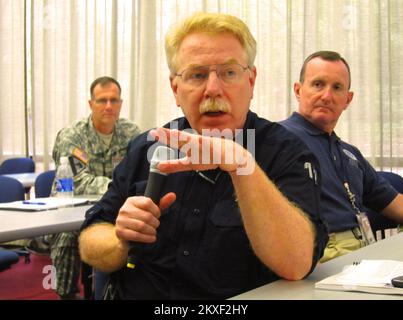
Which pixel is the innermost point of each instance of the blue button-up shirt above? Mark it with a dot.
(202, 250)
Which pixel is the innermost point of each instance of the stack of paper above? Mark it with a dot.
(372, 276)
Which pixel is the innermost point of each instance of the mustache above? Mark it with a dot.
(214, 105)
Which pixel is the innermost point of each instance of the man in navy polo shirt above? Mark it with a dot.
(228, 221)
(349, 183)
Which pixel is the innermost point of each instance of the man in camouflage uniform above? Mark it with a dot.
(95, 145)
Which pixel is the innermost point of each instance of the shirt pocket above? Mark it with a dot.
(227, 246)
(226, 214)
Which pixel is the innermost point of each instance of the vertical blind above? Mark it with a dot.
(73, 42)
(12, 114)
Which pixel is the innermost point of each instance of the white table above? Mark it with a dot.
(390, 248)
(16, 225)
(27, 179)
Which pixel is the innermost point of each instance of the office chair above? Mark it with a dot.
(12, 190)
(94, 282)
(7, 259)
(377, 220)
(43, 188)
(100, 281)
(394, 179)
(18, 165)
(43, 184)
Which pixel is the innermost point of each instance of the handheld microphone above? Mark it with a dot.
(155, 184)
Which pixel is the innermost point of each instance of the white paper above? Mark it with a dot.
(368, 276)
(40, 204)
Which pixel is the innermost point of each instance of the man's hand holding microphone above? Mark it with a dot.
(138, 218)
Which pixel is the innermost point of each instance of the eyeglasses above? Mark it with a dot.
(230, 73)
(104, 102)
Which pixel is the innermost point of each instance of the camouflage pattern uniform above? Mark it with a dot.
(93, 178)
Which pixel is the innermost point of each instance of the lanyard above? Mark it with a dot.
(362, 218)
(336, 151)
(342, 171)
(351, 197)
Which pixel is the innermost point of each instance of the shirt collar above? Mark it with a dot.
(310, 128)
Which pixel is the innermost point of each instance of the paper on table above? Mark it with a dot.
(372, 276)
(41, 204)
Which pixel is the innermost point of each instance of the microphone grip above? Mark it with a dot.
(154, 186)
(153, 191)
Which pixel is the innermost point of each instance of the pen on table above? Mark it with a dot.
(33, 202)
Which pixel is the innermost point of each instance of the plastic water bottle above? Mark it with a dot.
(64, 179)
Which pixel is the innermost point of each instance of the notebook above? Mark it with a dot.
(42, 204)
(372, 276)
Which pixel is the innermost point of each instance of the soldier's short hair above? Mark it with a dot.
(103, 81)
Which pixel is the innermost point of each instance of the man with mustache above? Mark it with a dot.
(232, 216)
(349, 182)
(96, 145)
(214, 105)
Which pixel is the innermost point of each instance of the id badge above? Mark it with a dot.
(365, 227)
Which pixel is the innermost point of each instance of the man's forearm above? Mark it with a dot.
(280, 233)
(88, 183)
(100, 247)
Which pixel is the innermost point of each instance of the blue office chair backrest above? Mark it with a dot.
(377, 220)
(43, 184)
(17, 165)
(394, 179)
(7, 258)
(11, 190)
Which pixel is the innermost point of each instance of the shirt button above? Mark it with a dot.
(186, 253)
(196, 211)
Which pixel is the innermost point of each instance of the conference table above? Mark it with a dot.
(27, 179)
(389, 248)
(16, 225)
